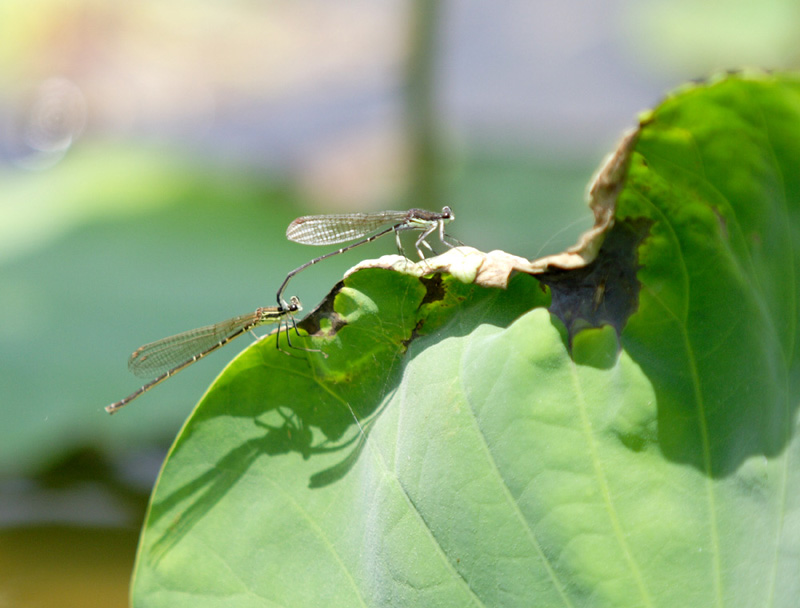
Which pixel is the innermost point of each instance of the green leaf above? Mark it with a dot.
(277, 431)
(501, 459)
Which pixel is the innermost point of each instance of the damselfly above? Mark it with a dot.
(332, 229)
(166, 357)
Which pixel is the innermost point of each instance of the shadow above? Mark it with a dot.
(208, 488)
(339, 470)
(205, 491)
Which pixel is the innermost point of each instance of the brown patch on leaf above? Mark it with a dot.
(312, 323)
(605, 292)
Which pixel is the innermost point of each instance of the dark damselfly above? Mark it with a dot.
(340, 228)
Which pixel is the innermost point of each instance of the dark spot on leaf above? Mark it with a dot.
(414, 334)
(606, 292)
(434, 289)
(312, 323)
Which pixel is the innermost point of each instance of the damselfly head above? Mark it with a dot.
(447, 214)
(294, 305)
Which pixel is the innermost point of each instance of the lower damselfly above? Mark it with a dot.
(341, 228)
(164, 358)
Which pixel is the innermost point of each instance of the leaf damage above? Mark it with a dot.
(606, 291)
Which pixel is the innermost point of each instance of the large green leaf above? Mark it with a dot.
(458, 446)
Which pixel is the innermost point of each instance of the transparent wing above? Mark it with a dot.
(332, 229)
(162, 355)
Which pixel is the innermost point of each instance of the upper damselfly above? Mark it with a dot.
(340, 228)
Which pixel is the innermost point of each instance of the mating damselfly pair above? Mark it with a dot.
(166, 357)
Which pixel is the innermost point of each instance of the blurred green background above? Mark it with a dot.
(153, 153)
